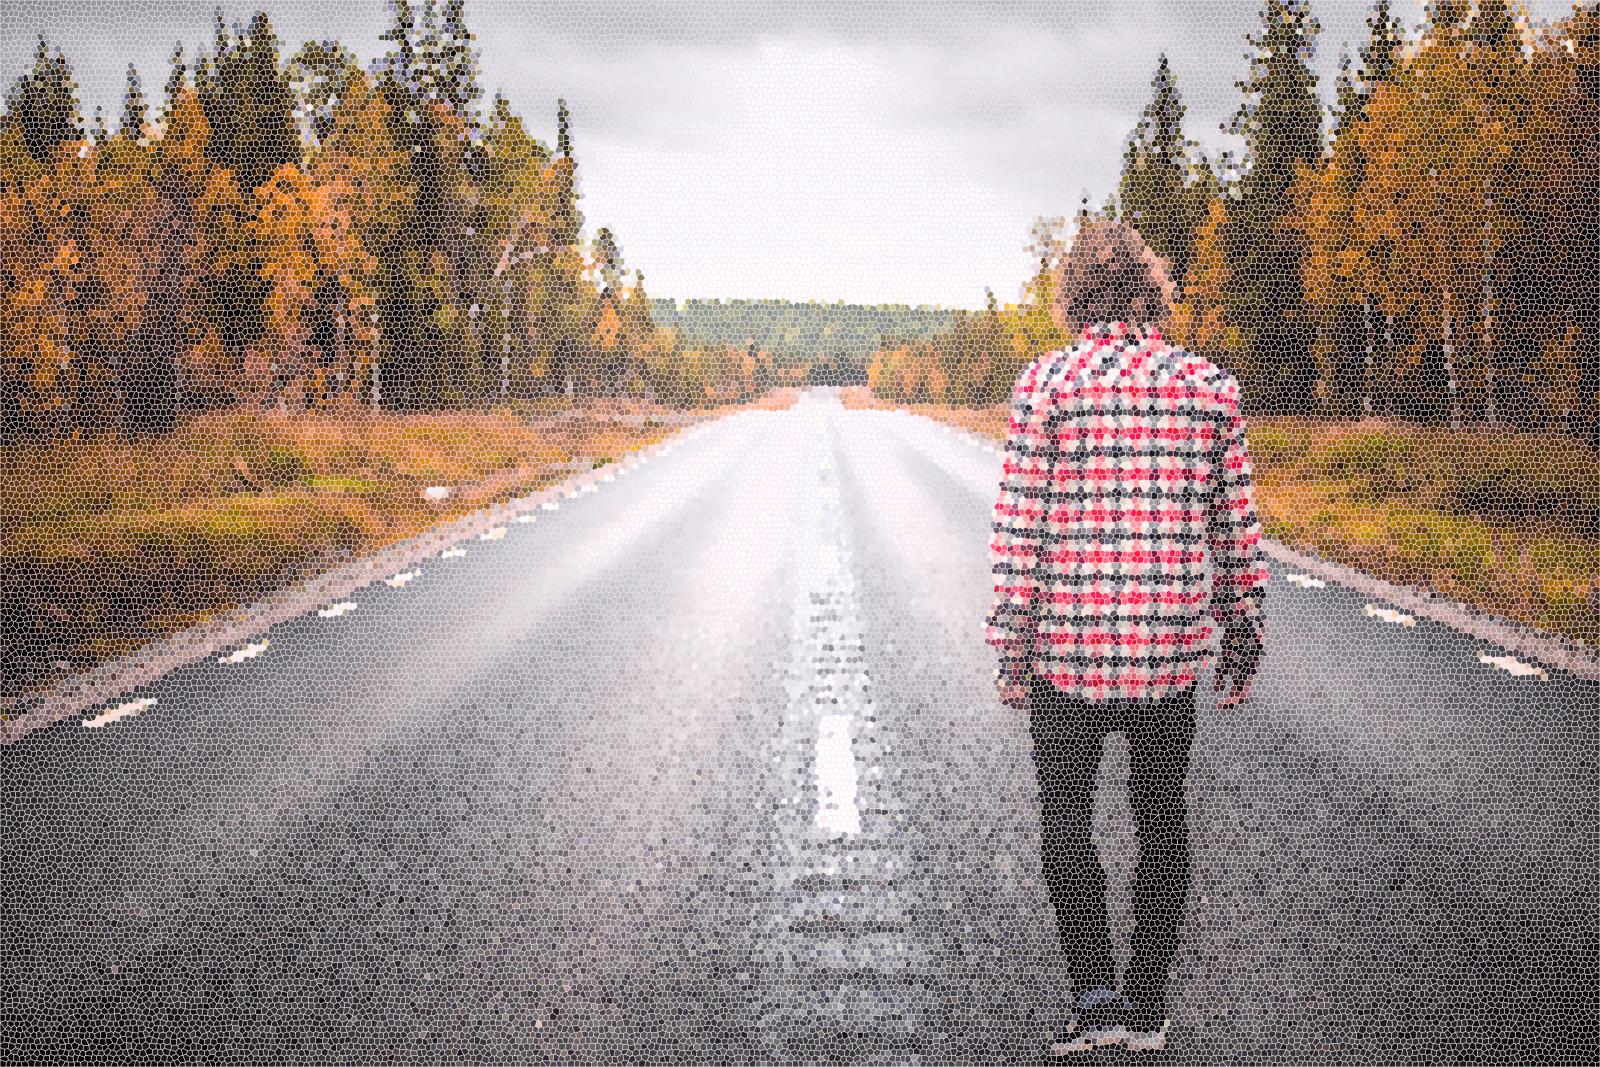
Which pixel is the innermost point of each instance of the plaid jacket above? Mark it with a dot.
(1126, 469)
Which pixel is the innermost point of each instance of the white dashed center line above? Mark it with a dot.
(1513, 665)
(837, 811)
(250, 651)
(1399, 618)
(121, 711)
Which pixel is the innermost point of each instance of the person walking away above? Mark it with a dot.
(1127, 470)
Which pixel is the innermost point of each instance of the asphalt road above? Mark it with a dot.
(706, 765)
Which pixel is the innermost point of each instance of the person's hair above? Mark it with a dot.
(1111, 275)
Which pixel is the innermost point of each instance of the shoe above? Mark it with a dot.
(1098, 1018)
(1146, 1033)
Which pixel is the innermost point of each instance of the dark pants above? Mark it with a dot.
(1067, 736)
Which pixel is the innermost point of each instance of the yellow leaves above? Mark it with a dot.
(608, 327)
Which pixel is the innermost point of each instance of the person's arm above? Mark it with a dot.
(1239, 570)
(1015, 543)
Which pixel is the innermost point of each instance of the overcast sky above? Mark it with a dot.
(865, 151)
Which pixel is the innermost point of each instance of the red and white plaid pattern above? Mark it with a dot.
(1126, 470)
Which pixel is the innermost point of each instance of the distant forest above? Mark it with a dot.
(793, 332)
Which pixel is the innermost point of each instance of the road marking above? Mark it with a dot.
(837, 811)
(494, 533)
(1399, 618)
(1306, 580)
(1513, 665)
(452, 553)
(399, 580)
(250, 651)
(550, 505)
(121, 711)
(527, 517)
(333, 611)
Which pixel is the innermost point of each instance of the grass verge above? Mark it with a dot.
(106, 545)
(1506, 522)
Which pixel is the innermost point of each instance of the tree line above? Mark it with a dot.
(1428, 254)
(797, 332)
(300, 233)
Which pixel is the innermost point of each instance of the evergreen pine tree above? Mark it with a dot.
(459, 61)
(1445, 18)
(429, 75)
(1161, 196)
(608, 258)
(177, 79)
(1380, 56)
(250, 107)
(318, 76)
(99, 134)
(1493, 24)
(134, 109)
(400, 61)
(44, 104)
(1347, 98)
(1281, 124)
(563, 130)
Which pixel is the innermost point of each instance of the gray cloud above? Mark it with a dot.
(878, 150)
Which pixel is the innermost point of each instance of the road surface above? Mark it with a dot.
(706, 765)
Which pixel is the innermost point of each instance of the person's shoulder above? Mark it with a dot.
(1037, 371)
(1182, 362)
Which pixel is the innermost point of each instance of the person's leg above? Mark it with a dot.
(1067, 736)
(1159, 738)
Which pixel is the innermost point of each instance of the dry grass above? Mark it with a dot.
(105, 545)
(1507, 522)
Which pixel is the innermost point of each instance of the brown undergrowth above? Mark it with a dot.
(1506, 522)
(108, 544)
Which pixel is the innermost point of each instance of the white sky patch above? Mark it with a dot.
(1513, 665)
(249, 651)
(837, 811)
(121, 711)
(1399, 618)
(1306, 581)
(333, 611)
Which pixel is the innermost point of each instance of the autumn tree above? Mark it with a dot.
(1162, 193)
(1352, 353)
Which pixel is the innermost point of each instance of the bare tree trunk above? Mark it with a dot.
(505, 336)
(1366, 381)
(1388, 337)
(1450, 367)
(341, 349)
(1488, 320)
